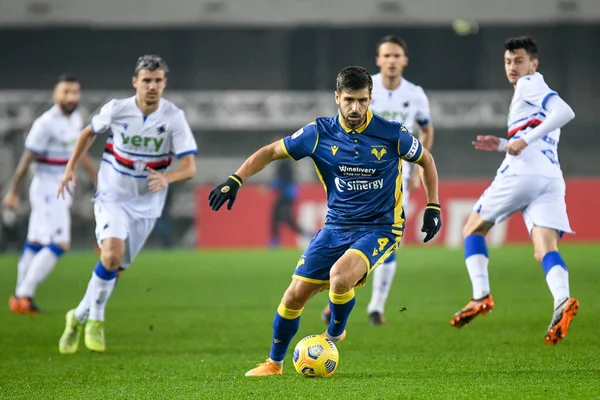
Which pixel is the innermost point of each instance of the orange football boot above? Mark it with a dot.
(561, 320)
(265, 369)
(475, 307)
(23, 305)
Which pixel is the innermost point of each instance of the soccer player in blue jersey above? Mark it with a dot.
(395, 98)
(358, 158)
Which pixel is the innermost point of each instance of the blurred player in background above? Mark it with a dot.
(144, 132)
(358, 159)
(286, 188)
(529, 180)
(395, 99)
(49, 144)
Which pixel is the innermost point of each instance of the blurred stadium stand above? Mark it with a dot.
(244, 77)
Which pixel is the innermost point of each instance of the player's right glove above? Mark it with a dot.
(224, 192)
(432, 221)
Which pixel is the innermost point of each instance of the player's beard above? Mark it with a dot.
(68, 108)
(351, 124)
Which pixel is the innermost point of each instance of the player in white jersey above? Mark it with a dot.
(144, 133)
(529, 180)
(49, 145)
(395, 99)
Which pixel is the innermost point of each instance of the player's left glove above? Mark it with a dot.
(225, 191)
(432, 221)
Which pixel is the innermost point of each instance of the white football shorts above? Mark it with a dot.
(50, 219)
(541, 201)
(113, 221)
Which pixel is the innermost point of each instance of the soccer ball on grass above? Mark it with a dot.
(316, 356)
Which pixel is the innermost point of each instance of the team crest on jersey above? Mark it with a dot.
(334, 149)
(139, 165)
(161, 129)
(379, 153)
(301, 261)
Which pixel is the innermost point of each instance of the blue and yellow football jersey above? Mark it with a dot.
(361, 169)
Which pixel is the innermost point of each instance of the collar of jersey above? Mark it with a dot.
(361, 128)
(147, 117)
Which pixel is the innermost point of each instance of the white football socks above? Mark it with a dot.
(83, 309)
(557, 276)
(100, 292)
(383, 277)
(477, 265)
(558, 282)
(40, 267)
(29, 252)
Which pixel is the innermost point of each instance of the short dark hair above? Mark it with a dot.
(392, 39)
(526, 43)
(353, 78)
(66, 78)
(150, 62)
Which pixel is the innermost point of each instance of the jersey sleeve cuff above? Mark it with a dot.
(285, 150)
(423, 122)
(502, 145)
(415, 160)
(96, 129)
(185, 153)
(34, 151)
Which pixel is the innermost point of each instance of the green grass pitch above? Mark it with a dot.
(190, 324)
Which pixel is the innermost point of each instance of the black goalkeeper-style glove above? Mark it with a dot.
(432, 221)
(225, 191)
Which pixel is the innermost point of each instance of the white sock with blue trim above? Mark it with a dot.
(557, 276)
(102, 284)
(27, 254)
(476, 259)
(83, 309)
(42, 264)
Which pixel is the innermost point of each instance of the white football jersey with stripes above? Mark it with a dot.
(52, 138)
(407, 104)
(136, 143)
(527, 110)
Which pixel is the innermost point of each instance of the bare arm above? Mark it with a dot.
(260, 159)
(26, 160)
(426, 135)
(185, 170)
(85, 140)
(89, 168)
(227, 191)
(429, 176)
(490, 143)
